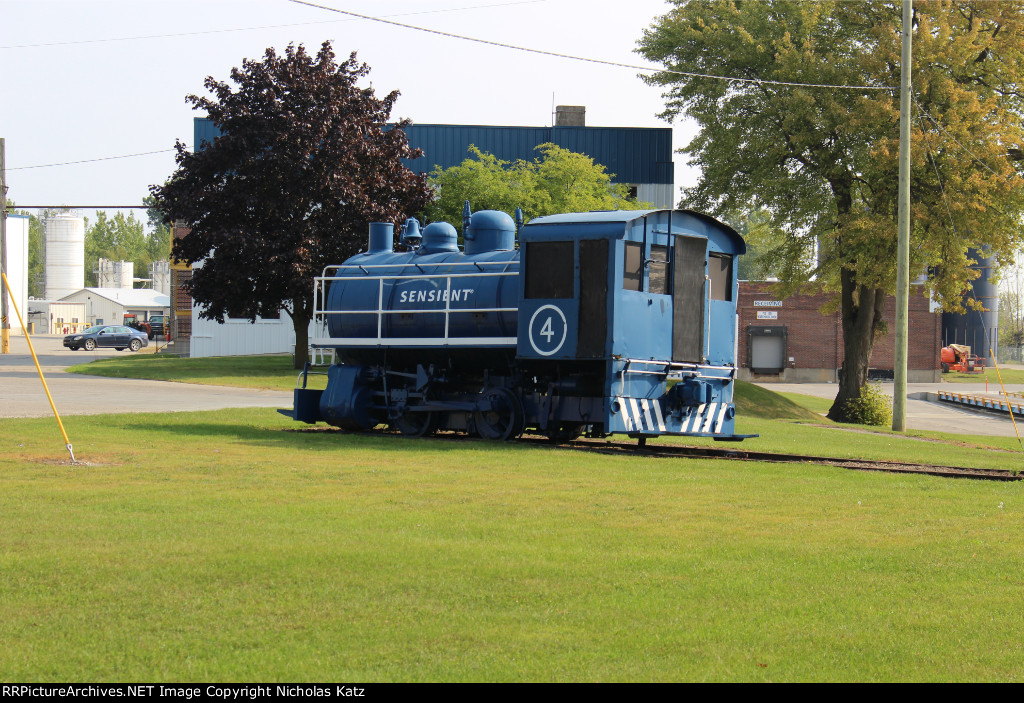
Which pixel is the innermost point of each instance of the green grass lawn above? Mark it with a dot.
(274, 372)
(229, 546)
(990, 374)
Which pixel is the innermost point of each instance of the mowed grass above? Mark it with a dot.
(272, 371)
(228, 546)
(990, 374)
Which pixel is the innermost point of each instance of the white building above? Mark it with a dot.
(107, 306)
(238, 337)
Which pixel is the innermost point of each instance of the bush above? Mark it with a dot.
(872, 407)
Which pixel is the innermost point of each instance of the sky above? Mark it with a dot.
(92, 79)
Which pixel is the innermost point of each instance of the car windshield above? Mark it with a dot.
(91, 330)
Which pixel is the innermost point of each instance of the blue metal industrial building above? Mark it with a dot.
(640, 157)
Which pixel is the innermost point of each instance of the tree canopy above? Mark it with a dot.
(304, 162)
(823, 160)
(557, 181)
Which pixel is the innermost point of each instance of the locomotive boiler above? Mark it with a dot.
(609, 322)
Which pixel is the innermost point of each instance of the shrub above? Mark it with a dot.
(873, 407)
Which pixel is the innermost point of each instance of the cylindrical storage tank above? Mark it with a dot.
(160, 276)
(17, 270)
(413, 300)
(978, 329)
(65, 255)
(124, 272)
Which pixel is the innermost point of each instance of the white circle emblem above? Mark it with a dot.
(541, 339)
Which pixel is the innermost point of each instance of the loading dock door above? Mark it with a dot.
(767, 349)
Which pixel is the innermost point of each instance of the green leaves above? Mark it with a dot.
(557, 181)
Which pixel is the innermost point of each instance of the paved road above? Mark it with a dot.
(22, 395)
(924, 415)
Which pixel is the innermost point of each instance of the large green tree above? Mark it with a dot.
(305, 160)
(823, 160)
(558, 180)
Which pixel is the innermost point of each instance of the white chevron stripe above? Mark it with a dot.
(710, 418)
(645, 404)
(721, 419)
(625, 414)
(657, 414)
(636, 414)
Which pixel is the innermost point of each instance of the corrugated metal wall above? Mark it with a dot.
(633, 154)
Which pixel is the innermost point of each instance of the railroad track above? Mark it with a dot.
(603, 446)
(735, 454)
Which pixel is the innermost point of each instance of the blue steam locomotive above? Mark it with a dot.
(615, 322)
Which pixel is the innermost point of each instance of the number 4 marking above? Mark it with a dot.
(546, 330)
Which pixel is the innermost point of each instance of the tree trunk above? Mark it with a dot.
(862, 318)
(301, 314)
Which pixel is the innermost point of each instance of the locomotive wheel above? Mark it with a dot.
(504, 420)
(415, 424)
(565, 432)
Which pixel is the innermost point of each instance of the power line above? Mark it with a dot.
(590, 60)
(102, 158)
(249, 29)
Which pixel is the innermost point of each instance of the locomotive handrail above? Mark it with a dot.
(320, 313)
(364, 267)
(672, 368)
(415, 276)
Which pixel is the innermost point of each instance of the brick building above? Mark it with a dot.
(789, 340)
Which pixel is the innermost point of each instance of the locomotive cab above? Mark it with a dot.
(636, 302)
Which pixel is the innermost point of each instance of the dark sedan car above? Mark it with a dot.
(117, 336)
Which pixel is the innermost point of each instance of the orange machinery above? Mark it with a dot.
(957, 357)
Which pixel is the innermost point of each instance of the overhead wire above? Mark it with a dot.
(603, 62)
(249, 29)
(86, 161)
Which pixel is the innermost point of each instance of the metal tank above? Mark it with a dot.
(977, 329)
(65, 255)
(160, 276)
(431, 299)
(115, 274)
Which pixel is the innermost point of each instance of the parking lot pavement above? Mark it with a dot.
(22, 395)
(925, 415)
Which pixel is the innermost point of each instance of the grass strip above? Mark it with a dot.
(226, 546)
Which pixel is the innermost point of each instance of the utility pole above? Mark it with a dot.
(899, 394)
(5, 324)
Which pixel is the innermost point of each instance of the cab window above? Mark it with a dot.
(720, 272)
(549, 270)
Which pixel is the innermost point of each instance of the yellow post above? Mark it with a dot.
(39, 370)
(992, 356)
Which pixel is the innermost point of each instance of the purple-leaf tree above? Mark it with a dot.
(305, 160)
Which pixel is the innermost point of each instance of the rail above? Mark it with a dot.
(321, 314)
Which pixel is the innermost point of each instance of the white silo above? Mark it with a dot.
(160, 276)
(17, 270)
(65, 255)
(124, 272)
